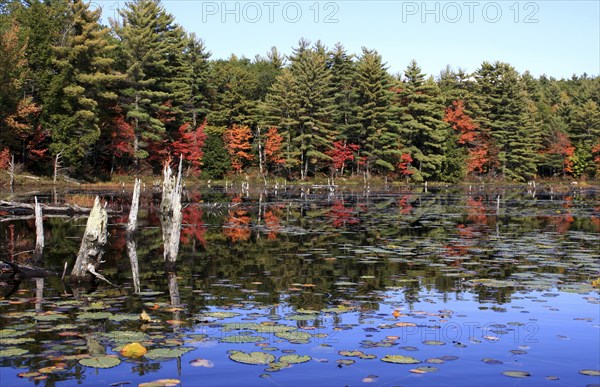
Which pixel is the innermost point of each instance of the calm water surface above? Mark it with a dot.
(324, 289)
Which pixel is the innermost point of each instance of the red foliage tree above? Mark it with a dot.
(405, 166)
(561, 145)
(342, 153)
(4, 158)
(190, 144)
(481, 156)
(237, 142)
(596, 155)
(273, 143)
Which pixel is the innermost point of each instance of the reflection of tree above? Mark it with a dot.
(193, 226)
(272, 221)
(342, 215)
(237, 226)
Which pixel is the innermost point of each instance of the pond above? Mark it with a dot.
(297, 286)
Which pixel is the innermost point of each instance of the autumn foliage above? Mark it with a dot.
(237, 141)
(237, 226)
(341, 153)
(190, 144)
(561, 145)
(480, 155)
(273, 145)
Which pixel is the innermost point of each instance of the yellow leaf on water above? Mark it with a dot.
(133, 350)
(144, 316)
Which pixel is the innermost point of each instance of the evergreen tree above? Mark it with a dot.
(376, 132)
(195, 88)
(152, 45)
(423, 130)
(504, 107)
(343, 78)
(82, 87)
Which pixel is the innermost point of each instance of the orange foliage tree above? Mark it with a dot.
(237, 226)
(480, 156)
(190, 145)
(237, 142)
(561, 145)
(273, 143)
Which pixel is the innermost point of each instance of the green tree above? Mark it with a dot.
(82, 87)
(376, 132)
(504, 107)
(423, 130)
(152, 45)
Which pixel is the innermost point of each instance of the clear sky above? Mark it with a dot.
(556, 38)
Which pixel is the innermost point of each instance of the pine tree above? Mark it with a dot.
(422, 127)
(376, 132)
(343, 79)
(82, 87)
(503, 106)
(152, 45)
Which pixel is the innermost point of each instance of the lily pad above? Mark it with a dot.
(167, 353)
(424, 370)
(433, 342)
(124, 317)
(294, 336)
(49, 317)
(12, 352)
(399, 359)
(517, 374)
(161, 383)
(126, 336)
(590, 372)
(202, 363)
(94, 316)
(101, 362)
(133, 350)
(220, 315)
(294, 359)
(252, 357)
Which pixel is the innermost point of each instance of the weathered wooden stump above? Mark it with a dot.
(130, 236)
(92, 244)
(170, 214)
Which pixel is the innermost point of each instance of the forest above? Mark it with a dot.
(96, 100)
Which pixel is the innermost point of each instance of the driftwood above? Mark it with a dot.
(170, 213)
(94, 239)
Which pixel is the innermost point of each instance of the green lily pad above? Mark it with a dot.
(294, 336)
(399, 359)
(516, 374)
(590, 372)
(274, 328)
(124, 317)
(221, 315)
(252, 357)
(242, 339)
(12, 352)
(167, 353)
(49, 317)
(94, 315)
(15, 340)
(6, 333)
(302, 317)
(101, 362)
(126, 336)
(294, 359)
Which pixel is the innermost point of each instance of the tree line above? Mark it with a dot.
(124, 98)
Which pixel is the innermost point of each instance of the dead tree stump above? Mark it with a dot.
(39, 232)
(130, 236)
(94, 239)
(170, 213)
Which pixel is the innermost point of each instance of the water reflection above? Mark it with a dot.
(323, 262)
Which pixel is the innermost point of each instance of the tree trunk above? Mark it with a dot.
(39, 232)
(170, 213)
(94, 239)
(131, 230)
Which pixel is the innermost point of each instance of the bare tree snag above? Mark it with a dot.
(57, 165)
(170, 213)
(130, 236)
(39, 232)
(94, 239)
(11, 171)
(133, 211)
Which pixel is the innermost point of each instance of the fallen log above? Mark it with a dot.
(17, 207)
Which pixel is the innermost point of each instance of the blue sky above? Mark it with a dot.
(556, 38)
